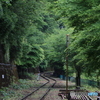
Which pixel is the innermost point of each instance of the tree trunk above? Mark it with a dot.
(7, 55)
(1, 54)
(78, 83)
(98, 82)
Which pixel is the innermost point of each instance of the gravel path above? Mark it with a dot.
(60, 85)
(53, 94)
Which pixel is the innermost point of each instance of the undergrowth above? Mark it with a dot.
(91, 88)
(15, 89)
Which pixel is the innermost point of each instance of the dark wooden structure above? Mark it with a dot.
(22, 72)
(8, 74)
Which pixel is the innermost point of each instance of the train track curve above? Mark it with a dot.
(45, 88)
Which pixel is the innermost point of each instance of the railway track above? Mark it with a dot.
(41, 92)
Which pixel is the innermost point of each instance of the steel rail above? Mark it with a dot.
(43, 97)
(37, 88)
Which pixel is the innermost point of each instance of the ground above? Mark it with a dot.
(17, 91)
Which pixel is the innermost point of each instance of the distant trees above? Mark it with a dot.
(84, 48)
(55, 50)
(33, 32)
(24, 25)
(17, 16)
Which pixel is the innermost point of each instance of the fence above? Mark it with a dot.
(8, 74)
(90, 82)
(87, 82)
(83, 81)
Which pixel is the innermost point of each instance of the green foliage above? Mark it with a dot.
(91, 88)
(15, 90)
(34, 32)
(33, 57)
(86, 42)
(24, 25)
(55, 46)
(84, 46)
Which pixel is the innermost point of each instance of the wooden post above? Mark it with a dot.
(67, 44)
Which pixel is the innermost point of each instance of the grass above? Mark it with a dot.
(17, 90)
(91, 88)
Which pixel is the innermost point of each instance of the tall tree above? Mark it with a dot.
(84, 17)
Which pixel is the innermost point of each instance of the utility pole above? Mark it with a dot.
(67, 44)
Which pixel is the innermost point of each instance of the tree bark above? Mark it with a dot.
(1, 54)
(78, 80)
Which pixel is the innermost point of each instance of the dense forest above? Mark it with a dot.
(33, 34)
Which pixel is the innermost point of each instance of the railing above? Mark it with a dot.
(83, 81)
